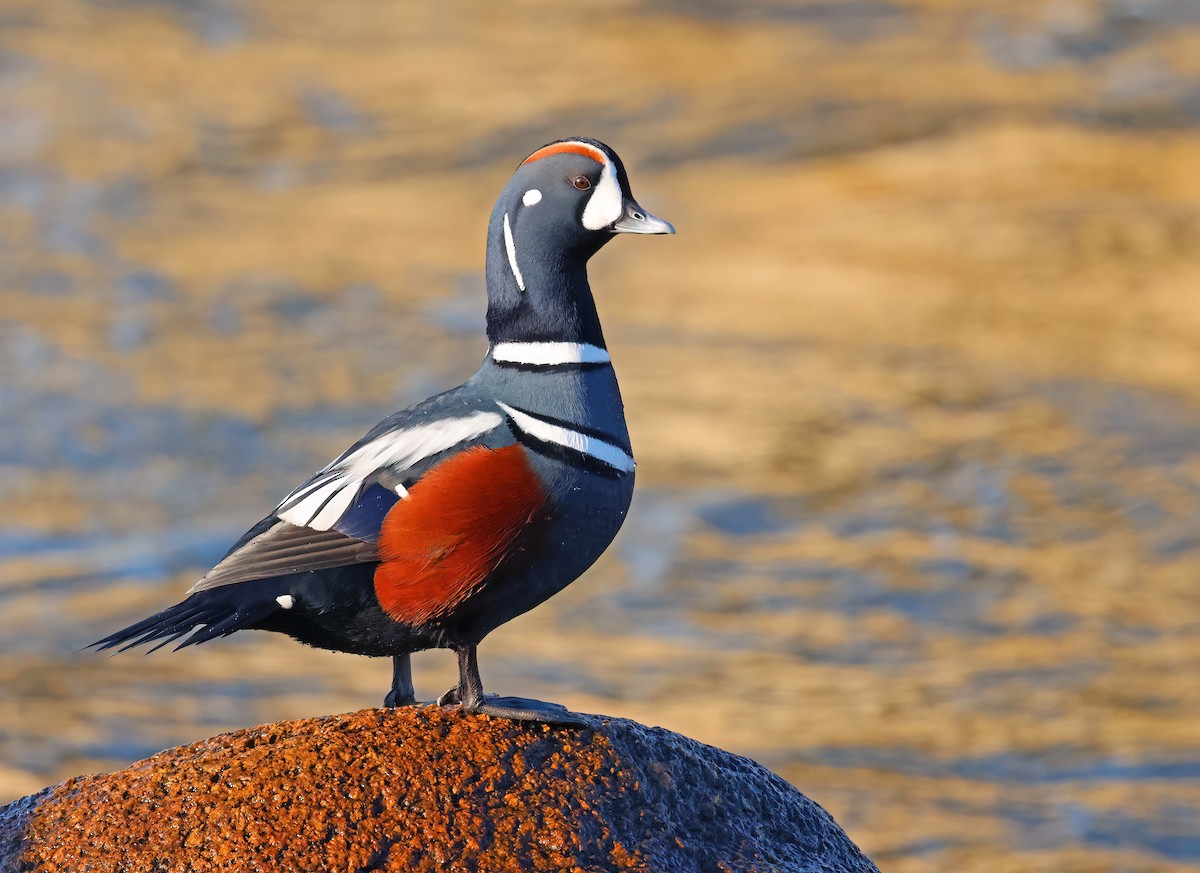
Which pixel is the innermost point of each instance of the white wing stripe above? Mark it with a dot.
(319, 505)
(303, 510)
(304, 490)
(549, 354)
(615, 457)
(338, 504)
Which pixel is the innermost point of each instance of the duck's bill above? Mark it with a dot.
(637, 220)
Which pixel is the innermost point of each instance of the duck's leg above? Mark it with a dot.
(402, 693)
(470, 697)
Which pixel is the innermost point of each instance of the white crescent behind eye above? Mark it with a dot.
(604, 206)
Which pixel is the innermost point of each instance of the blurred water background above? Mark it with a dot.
(915, 392)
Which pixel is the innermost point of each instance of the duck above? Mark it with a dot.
(470, 508)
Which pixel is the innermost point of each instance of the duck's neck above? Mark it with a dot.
(556, 303)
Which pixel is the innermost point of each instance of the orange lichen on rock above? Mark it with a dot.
(429, 789)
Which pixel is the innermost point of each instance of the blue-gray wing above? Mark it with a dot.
(334, 519)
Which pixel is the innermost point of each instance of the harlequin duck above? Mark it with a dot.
(472, 507)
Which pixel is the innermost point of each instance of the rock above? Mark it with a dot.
(424, 789)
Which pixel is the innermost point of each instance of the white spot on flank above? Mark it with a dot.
(286, 601)
(604, 206)
(613, 456)
(512, 253)
(532, 197)
(401, 491)
(549, 354)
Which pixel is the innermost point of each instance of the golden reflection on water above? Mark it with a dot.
(913, 392)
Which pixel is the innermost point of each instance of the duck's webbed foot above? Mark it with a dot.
(469, 697)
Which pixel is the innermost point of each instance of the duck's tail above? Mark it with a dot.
(206, 615)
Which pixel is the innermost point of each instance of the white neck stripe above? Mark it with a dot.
(606, 453)
(549, 354)
(511, 247)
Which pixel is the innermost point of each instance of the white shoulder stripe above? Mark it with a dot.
(549, 354)
(511, 247)
(320, 504)
(607, 453)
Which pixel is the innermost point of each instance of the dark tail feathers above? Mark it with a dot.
(205, 615)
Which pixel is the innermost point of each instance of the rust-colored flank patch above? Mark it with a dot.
(457, 524)
(428, 789)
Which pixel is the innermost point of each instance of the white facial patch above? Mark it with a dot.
(532, 197)
(604, 206)
(511, 247)
(286, 601)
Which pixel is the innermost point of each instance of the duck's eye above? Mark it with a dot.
(581, 182)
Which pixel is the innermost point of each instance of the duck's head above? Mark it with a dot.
(563, 203)
(574, 194)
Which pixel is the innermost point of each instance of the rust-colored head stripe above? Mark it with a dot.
(573, 148)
